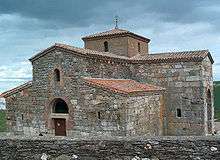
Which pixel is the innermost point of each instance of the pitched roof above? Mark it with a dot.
(124, 86)
(115, 32)
(183, 56)
(17, 89)
(77, 50)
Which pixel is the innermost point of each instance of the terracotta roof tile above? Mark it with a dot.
(124, 86)
(77, 50)
(89, 51)
(114, 32)
(17, 89)
(107, 33)
(198, 55)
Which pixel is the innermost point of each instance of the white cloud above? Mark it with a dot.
(15, 72)
(171, 36)
(22, 37)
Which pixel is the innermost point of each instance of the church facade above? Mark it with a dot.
(114, 87)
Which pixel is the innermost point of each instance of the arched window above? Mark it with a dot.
(139, 47)
(60, 106)
(57, 75)
(106, 46)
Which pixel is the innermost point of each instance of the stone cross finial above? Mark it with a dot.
(116, 21)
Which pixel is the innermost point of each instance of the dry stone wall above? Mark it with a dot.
(166, 148)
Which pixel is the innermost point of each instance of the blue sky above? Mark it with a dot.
(29, 26)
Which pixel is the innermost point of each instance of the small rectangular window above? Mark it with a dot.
(178, 113)
(99, 115)
(106, 46)
(139, 47)
(57, 75)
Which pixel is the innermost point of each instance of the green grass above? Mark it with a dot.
(217, 99)
(2, 121)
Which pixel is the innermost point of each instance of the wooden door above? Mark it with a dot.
(60, 127)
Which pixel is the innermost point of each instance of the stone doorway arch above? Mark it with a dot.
(60, 111)
(60, 106)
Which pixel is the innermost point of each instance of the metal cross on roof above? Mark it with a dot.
(116, 21)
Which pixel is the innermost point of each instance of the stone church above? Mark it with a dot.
(114, 87)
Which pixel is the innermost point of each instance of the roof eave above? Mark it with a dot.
(210, 57)
(117, 35)
(16, 90)
(56, 46)
(123, 93)
(42, 53)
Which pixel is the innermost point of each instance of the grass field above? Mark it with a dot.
(2, 121)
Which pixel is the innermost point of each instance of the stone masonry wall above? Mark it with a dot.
(166, 148)
(97, 112)
(144, 115)
(70, 87)
(117, 45)
(133, 47)
(184, 81)
(185, 84)
(208, 89)
(122, 46)
(87, 103)
(21, 117)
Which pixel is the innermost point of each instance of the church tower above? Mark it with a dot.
(117, 41)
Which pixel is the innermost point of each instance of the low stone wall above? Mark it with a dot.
(163, 148)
